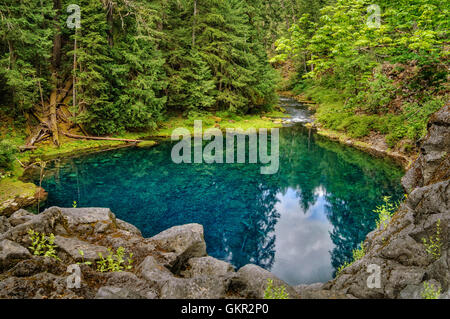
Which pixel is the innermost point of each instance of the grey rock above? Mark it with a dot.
(251, 282)
(91, 220)
(128, 227)
(19, 217)
(195, 288)
(72, 247)
(38, 264)
(11, 253)
(110, 292)
(180, 243)
(46, 222)
(153, 272)
(207, 266)
(4, 224)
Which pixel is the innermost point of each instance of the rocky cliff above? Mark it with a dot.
(398, 249)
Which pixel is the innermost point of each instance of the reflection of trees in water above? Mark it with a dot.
(354, 184)
(234, 202)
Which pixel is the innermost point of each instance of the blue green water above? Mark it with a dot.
(301, 223)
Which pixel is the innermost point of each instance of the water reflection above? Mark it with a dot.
(301, 223)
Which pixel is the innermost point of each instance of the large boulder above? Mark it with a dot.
(207, 266)
(251, 282)
(72, 247)
(180, 243)
(156, 274)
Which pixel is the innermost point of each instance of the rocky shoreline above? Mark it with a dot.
(172, 264)
(406, 265)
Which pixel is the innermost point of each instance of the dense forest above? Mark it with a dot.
(126, 64)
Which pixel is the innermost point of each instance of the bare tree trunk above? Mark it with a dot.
(56, 54)
(194, 23)
(74, 88)
(53, 105)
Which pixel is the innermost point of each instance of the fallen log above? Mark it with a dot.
(27, 148)
(101, 138)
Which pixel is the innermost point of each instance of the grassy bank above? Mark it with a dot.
(394, 134)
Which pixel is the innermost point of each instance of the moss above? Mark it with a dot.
(12, 188)
(146, 144)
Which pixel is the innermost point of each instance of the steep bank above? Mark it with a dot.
(373, 144)
(406, 263)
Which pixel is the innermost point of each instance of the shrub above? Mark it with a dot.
(430, 291)
(7, 152)
(114, 261)
(433, 244)
(385, 212)
(42, 245)
(272, 292)
(357, 253)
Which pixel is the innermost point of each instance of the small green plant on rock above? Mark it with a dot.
(74, 204)
(82, 258)
(272, 292)
(114, 261)
(385, 212)
(357, 253)
(42, 245)
(430, 291)
(433, 244)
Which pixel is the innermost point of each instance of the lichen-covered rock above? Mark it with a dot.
(75, 248)
(250, 281)
(180, 243)
(19, 217)
(153, 272)
(4, 224)
(207, 266)
(11, 253)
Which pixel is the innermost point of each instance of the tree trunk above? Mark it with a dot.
(74, 88)
(53, 105)
(194, 23)
(56, 54)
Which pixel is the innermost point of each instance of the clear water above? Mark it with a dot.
(300, 223)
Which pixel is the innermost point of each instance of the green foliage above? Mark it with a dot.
(272, 292)
(430, 291)
(395, 71)
(357, 253)
(42, 245)
(433, 244)
(74, 204)
(26, 32)
(114, 261)
(81, 252)
(7, 152)
(385, 212)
